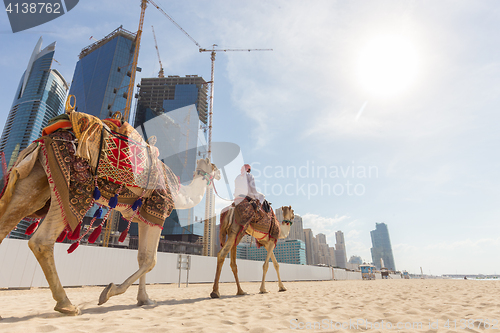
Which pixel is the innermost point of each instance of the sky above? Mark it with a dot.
(364, 112)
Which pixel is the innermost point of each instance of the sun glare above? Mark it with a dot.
(387, 66)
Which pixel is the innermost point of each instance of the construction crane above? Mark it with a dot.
(212, 57)
(160, 73)
(114, 217)
(213, 52)
(209, 228)
(175, 23)
(130, 92)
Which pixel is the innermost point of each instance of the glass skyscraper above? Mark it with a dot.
(40, 96)
(174, 109)
(101, 78)
(382, 248)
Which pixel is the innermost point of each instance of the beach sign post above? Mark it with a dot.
(184, 262)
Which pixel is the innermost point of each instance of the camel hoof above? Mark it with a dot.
(282, 289)
(106, 294)
(69, 310)
(146, 302)
(263, 292)
(215, 294)
(241, 292)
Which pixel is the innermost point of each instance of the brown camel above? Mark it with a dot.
(231, 225)
(31, 192)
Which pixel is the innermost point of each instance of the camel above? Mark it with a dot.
(33, 192)
(233, 230)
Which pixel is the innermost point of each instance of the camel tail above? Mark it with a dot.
(8, 191)
(21, 169)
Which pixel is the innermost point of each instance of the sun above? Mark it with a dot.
(387, 66)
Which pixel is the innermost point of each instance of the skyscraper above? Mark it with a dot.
(309, 237)
(177, 106)
(321, 238)
(340, 251)
(101, 78)
(382, 247)
(40, 96)
(100, 85)
(297, 229)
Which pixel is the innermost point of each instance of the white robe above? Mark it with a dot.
(244, 185)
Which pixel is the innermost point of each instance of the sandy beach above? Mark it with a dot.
(328, 306)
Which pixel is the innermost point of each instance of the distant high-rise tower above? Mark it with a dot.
(382, 247)
(297, 229)
(321, 238)
(340, 251)
(309, 238)
(102, 75)
(40, 96)
(180, 105)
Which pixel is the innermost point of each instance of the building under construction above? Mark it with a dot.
(164, 94)
(174, 109)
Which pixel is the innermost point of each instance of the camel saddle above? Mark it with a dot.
(111, 156)
(248, 212)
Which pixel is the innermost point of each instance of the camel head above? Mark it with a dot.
(206, 169)
(286, 224)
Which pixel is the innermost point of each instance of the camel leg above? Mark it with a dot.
(277, 268)
(42, 246)
(30, 195)
(234, 268)
(221, 256)
(147, 260)
(269, 247)
(142, 295)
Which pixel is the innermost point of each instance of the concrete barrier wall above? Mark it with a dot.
(341, 274)
(91, 265)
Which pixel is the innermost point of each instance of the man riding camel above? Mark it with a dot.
(244, 185)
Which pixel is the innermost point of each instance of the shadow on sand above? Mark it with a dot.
(87, 308)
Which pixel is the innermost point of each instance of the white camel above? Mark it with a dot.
(31, 194)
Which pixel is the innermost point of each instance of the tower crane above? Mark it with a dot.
(209, 228)
(130, 91)
(213, 52)
(160, 73)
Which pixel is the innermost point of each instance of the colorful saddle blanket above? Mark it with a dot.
(120, 154)
(70, 166)
(248, 213)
